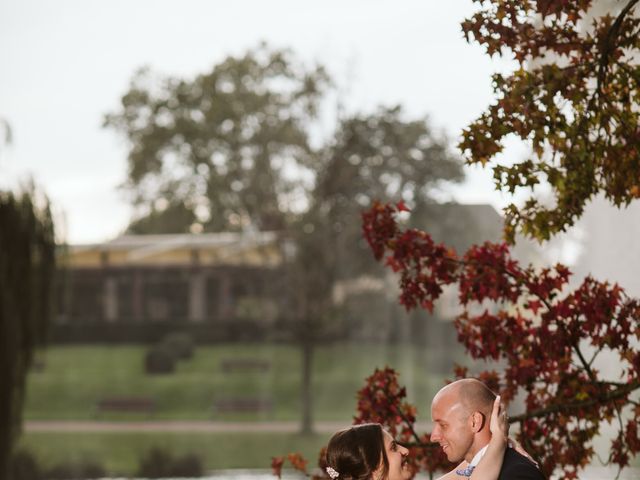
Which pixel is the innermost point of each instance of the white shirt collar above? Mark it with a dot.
(476, 459)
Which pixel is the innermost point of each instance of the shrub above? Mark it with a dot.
(84, 470)
(180, 344)
(189, 465)
(155, 464)
(159, 463)
(24, 466)
(159, 360)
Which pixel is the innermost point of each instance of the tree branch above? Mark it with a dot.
(586, 365)
(409, 425)
(606, 52)
(621, 392)
(595, 354)
(566, 407)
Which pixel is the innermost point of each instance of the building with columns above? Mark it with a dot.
(172, 281)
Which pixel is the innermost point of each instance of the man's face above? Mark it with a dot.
(451, 427)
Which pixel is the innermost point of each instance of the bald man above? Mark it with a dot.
(460, 413)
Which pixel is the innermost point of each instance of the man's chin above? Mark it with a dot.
(451, 456)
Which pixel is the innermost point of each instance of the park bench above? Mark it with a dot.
(127, 404)
(245, 364)
(242, 405)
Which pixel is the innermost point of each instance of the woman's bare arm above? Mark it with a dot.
(452, 474)
(490, 464)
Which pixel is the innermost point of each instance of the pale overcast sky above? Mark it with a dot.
(64, 63)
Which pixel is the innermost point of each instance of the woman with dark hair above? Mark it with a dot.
(368, 452)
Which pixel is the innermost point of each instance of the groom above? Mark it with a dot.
(460, 413)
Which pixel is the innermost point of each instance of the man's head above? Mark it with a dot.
(460, 413)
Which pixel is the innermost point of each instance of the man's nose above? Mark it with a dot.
(435, 435)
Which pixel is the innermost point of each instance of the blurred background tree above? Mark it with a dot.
(26, 273)
(236, 149)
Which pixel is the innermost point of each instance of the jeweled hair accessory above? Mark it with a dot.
(332, 473)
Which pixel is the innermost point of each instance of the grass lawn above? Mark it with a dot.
(119, 453)
(75, 378)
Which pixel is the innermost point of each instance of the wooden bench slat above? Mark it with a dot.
(242, 405)
(126, 404)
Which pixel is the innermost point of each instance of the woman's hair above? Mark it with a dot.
(356, 452)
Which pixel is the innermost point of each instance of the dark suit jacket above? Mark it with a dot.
(517, 467)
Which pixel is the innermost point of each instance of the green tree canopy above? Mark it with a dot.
(223, 149)
(574, 100)
(232, 148)
(380, 155)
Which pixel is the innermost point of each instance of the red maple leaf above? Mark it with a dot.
(298, 462)
(534, 306)
(276, 466)
(402, 207)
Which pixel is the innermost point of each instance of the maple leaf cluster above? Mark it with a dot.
(573, 99)
(297, 461)
(548, 337)
(382, 400)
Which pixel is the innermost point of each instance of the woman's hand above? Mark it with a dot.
(499, 423)
(490, 464)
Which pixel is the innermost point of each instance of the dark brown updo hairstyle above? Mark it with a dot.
(356, 452)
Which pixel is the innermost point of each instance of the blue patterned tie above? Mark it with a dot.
(466, 472)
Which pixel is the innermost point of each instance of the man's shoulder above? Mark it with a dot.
(518, 467)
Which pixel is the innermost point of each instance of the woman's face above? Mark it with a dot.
(396, 455)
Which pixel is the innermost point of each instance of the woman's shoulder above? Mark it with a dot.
(452, 474)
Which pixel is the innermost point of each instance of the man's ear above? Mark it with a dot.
(477, 421)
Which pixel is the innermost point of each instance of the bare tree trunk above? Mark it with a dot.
(306, 397)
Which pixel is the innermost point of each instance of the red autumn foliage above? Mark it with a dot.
(297, 461)
(581, 111)
(276, 466)
(548, 337)
(382, 400)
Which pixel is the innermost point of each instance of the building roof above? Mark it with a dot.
(250, 248)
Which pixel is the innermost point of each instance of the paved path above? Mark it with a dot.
(183, 426)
